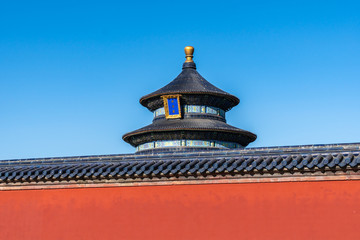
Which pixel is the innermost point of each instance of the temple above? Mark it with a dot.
(192, 176)
(189, 114)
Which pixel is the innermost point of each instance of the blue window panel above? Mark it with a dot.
(159, 111)
(212, 110)
(173, 106)
(193, 108)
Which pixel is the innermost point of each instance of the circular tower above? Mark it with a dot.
(189, 115)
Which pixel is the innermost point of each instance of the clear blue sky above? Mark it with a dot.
(72, 72)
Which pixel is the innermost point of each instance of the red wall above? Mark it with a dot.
(288, 210)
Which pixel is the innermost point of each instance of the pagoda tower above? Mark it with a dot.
(189, 115)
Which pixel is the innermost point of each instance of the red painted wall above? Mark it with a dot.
(288, 210)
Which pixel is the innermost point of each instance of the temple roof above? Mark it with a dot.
(200, 114)
(189, 81)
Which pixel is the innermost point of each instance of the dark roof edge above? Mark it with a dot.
(330, 148)
(248, 134)
(232, 98)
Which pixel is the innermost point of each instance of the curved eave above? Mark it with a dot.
(231, 98)
(190, 82)
(243, 132)
(188, 125)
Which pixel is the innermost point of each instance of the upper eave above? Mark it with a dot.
(190, 82)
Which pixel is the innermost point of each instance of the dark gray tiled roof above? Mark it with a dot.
(252, 161)
(189, 81)
(193, 90)
(192, 125)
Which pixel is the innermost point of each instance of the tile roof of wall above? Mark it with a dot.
(251, 161)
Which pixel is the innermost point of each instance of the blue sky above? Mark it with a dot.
(72, 72)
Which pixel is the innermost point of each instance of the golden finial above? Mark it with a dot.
(189, 51)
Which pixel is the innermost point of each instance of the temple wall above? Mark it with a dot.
(283, 210)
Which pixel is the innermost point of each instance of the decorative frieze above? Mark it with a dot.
(187, 143)
(194, 109)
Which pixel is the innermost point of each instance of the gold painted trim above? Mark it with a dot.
(166, 106)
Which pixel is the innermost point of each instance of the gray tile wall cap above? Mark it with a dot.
(252, 161)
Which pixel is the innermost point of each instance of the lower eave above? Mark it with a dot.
(205, 125)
